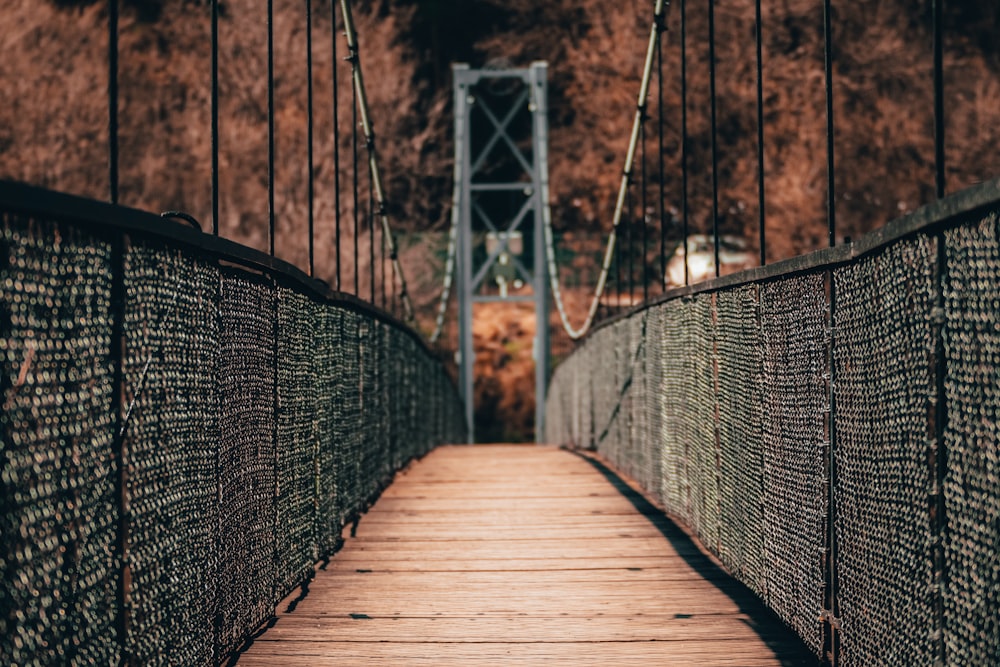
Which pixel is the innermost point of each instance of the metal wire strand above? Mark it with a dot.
(376, 175)
(761, 211)
(715, 149)
(940, 184)
(215, 116)
(630, 251)
(609, 253)
(661, 175)
(831, 205)
(113, 101)
(336, 145)
(270, 125)
(353, 57)
(371, 233)
(642, 212)
(684, 143)
(309, 136)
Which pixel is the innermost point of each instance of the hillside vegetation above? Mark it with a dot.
(53, 124)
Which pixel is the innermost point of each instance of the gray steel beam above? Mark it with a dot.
(471, 277)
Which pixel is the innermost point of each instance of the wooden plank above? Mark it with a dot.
(734, 653)
(519, 555)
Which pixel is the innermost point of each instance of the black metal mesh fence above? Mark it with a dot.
(247, 456)
(57, 490)
(255, 419)
(971, 482)
(794, 333)
(171, 333)
(884, 386)
(297, 442)
(740, 354)
(892, 413)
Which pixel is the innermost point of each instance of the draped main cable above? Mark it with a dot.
(378, 190)
(609, 253)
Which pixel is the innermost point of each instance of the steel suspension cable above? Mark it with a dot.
(449, 267)
(376, 175)
(609, 253)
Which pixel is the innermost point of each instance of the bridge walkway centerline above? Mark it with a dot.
(514, 554)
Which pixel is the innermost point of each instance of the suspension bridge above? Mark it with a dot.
(210, 456)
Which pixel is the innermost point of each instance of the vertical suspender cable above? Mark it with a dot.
(715, 151)
(831, 205)
(371, 231)
(382, 267)
(215, 117)
(376, 177)
(120, 548)
(684, 141)
(630, 249)
(618, 273)
(612, 246)
(336, 146)
(113, 101)
(939, 166)
(270, 125)
(662, 178)
(309, 135)
(354, 157)
(642, 205)
(760, 137)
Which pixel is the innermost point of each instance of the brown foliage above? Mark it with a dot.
(53, 125)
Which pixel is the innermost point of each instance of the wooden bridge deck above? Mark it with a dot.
(505, 554)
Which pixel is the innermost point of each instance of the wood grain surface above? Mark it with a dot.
(516, 554)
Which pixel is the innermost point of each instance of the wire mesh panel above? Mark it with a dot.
(407, 415)
(638, 467)
(689, 457)
(557, 428)
(654, 403)
(296, 444)
(611, 445)
(247, 331)
(254, 420)
(171, 453)
(794, 335)
(368, 426)
(676, 386)
(58, 484)
(396, 371)
(883, 352)
(605, 400)
(385, 374)
(741, 366)
(328, 349)
(349, 432)
(972, 475)
(587, 394)
(698, 421)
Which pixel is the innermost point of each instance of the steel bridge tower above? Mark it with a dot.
(500, 200)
